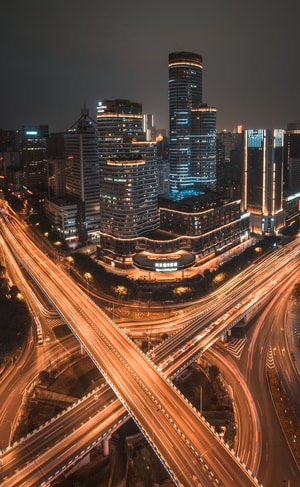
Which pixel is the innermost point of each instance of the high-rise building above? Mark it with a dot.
(138, 228)
(56, 178)
(203, 151)
(82, 175)
(292, 157)
(10, 161)
(119, 123)
(148, 126)
(34, 157)
(128, 180)
(192, 151)
(128, 193)
(229, 163)
(55, 145)
(263, 179)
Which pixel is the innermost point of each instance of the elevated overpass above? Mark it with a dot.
(140, 386)
(220, 330)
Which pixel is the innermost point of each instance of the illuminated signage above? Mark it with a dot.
(31, 132)
(166, 266)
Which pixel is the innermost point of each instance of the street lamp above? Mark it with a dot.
(88, 277)
(57, 244)
(70, 261)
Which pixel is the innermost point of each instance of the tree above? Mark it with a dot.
(214, 372)
(44, 377)
(296, 291)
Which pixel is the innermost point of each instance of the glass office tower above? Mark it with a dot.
(203, 146)
(192, 152)
(263, 179)
(34, 156)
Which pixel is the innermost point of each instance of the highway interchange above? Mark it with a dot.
(204, 455)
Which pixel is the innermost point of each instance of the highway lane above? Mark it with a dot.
(32, 360)
(15, 379)
(231, 295)
(248, 424)
(280, 350)
(277, 465)
(102, 338)
(179, 356)
(41, 463)
(245, 422)
(40, 446)
(16, 384)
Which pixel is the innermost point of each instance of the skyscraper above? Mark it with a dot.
(148, 126)
(119, 122)
(34, 156)
(192, 152)
(292, 157)
(263, 179)
(82, 175)
(203, 146)
(128, 179)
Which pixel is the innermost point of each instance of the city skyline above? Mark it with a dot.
(56, 58)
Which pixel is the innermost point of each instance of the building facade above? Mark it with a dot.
(128, 180)
(34, 157)
(203, 146)
(192, 151)
(262, 186)
(82, 175)
(128, 194)
(292, 157)
(62, 215)
(56, 178)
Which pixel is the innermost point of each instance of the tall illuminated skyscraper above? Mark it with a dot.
(34, 156)
(203, 146)
(263, 179)
(128, 180)
(192, 152)
(82, 175)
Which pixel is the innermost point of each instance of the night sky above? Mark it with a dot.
(57, 55)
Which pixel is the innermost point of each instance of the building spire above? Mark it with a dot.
(85, 111)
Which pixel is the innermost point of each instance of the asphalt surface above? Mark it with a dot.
(292, 331)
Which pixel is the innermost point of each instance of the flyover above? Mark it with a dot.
(141, 387)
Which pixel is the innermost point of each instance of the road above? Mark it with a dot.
(38, 463)
(277, 464)
(180, 435)
(32, 359)
(242, 293)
